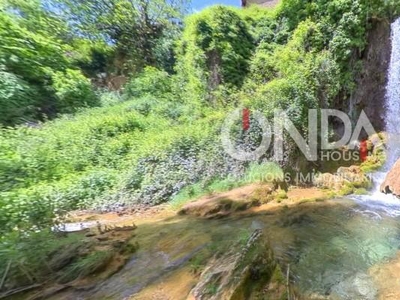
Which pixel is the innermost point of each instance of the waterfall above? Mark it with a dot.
(392, 107)
(392, 116)
(378, 200)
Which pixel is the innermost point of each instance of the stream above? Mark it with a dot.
(331, 248)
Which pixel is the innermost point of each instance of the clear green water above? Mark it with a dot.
(330, 249)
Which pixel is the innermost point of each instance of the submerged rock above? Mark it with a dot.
(391, 185)
(238, 275)
(359, 286)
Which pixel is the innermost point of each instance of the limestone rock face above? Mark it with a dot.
(370, 92)
(391, 185)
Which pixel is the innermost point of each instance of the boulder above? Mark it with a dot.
(391, 185)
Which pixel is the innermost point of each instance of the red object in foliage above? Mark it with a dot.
(363, 150)
(246, 119)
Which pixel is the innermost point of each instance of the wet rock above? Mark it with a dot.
(218, 206)
(125, 228)
(369, 94)
(237, 274)
(391, 185)
(103, 237)
(90, 234)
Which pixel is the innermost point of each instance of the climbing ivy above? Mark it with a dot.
(215, 49)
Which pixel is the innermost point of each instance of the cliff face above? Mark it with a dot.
(370, 92)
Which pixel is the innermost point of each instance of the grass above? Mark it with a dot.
(195, 191)
(186, 195)
(265, 172)
(93, 262)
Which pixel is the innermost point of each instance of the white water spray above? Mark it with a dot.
(392, 116)
(378, 200)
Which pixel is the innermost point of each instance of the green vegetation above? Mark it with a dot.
(266, 172)
(87, 265)
(33, 258)
(158, 138)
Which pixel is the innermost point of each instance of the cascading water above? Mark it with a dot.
(393, 98)
(378, 200)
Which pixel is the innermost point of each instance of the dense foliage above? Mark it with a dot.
(159, 138)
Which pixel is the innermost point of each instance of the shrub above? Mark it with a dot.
(264, 172)
(73, 90)
(17, 99)
(149, 82)
(110, 98)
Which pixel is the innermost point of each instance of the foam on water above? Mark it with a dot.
(378, 201)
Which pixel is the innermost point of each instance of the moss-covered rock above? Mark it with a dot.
(345, 181)
(243, 274)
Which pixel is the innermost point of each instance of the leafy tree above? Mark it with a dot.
(31, 52)
(29, 59)
(139, 29)
(38, 16)
(17, 99)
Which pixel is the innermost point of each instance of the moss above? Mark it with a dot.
(281, 194)
(346, 190)
(198, 262)
(263, 194)
(212, 289)
(259, 265)
(330, 194)
(378, 158)
(361, 191)
(278, 276)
